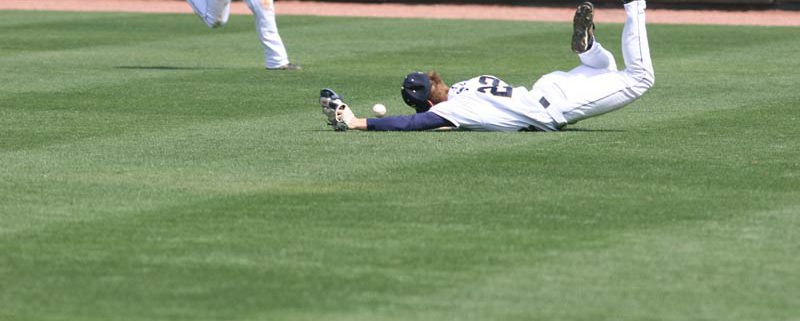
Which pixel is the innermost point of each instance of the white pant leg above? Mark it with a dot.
(636, 48)
(274, 51)
(214, 13)
(596, 60)
(608, 91)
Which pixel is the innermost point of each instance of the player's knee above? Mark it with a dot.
(649, 80)
(643, 79)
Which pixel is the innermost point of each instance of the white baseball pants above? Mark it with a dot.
(596, 86)
(215, 13)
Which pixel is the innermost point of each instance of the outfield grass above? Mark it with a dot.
(151, 170)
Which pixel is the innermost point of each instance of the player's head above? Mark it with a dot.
(422, 91)
(416, 89)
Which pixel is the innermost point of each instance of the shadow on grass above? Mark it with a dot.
(167, 68)
(593, 130)
(522, 132)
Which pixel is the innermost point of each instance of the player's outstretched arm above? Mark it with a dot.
(341, 117)
(357, 124)
(413, 122)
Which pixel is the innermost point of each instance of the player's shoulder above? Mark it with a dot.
(482, 78)
(476, 81)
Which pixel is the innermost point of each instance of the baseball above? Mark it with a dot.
(379, 110)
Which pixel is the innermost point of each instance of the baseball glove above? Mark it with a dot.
(338, 113)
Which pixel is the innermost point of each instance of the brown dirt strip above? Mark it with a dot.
(481, 12)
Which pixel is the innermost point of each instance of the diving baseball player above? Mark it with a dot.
(486, 103)
(215, 13)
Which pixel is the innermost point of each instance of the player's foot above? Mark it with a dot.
(289, 66)
(583, 28)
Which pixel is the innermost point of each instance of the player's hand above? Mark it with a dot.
(329, 112)
(330, 102)
(339, 114)
(344, 117)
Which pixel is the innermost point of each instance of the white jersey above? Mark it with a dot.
(486, 103)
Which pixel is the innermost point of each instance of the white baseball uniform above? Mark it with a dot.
(558, 98)
(215, 13)
(488, 103)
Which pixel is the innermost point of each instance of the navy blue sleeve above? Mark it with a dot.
(419, 121)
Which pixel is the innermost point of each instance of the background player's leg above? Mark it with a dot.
(593, 96)
(274, 52)
(214, 13)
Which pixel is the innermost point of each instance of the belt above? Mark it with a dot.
(544, 102)
(553, 112)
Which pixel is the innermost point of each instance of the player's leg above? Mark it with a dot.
(609, 91)
(636, 48)
(214, 13)
(275, 55)
(595, 61)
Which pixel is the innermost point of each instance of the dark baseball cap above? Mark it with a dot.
(416, 89)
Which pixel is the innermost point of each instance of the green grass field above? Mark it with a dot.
(152, 170)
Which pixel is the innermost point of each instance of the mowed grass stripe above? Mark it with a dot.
(603, 278)
(249, 153)
(307, 232)
(127, 163)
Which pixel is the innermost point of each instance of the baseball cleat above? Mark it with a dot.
(289, 66)
(583, 28)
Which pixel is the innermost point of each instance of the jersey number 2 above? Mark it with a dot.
(493, 87)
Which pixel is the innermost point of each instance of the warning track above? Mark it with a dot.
(484, 12)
